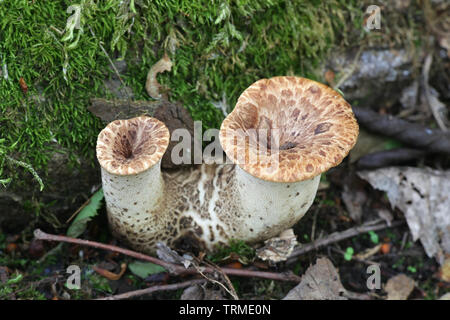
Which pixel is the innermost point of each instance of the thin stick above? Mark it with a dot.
(109, 59)
(38, 234)
(229, 291)
(149, 290)
(339, 236)
(170, 267)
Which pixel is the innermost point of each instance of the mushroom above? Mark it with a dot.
(282, 134)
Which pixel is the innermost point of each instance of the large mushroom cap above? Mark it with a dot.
(288, 129)
(131, 146)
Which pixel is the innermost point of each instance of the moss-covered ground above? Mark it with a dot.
(218, 48)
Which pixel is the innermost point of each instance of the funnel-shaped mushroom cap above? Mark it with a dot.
(288, 129)
(131, 146)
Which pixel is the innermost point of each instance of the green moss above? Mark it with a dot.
(218, 48)
(239, 248)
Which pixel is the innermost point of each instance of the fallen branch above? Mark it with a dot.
(339, 236)
(149, 290)
(413, 134)
(172, 268)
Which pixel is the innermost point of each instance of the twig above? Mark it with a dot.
(230, 291)
(230, 288)
(110, 61)
(339, 236)
(145, 291)
(170, 267)
(413, 134)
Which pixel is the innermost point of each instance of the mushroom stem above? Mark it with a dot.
(130, 198)
(271, 207)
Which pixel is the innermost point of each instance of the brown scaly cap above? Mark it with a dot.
(126, 147)
(293, 129)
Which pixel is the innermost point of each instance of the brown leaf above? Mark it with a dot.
(320, 282)
(399, 287)
(23, 85)
(110, 275)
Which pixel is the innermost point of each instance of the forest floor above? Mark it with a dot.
(34, 269)
(37, 269)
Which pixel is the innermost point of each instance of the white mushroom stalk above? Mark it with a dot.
(282, 134)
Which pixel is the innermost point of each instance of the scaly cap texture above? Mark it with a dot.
(288, 129)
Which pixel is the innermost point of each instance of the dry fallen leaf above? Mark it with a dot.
(320, 282)
(399, 287)
(369, 252)
(201, 292)
(152, 85)
(111, 275)
(423, 196)
(278, 248)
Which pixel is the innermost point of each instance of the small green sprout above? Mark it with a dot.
(349, 254)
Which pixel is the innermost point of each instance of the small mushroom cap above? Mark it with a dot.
(288, 129)
(126, 147)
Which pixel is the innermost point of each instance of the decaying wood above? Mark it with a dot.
(110, 110)
(413, 134)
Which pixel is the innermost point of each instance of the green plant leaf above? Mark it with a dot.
(15, 279)
(144, 269)
(86, 214)
(374, 237)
